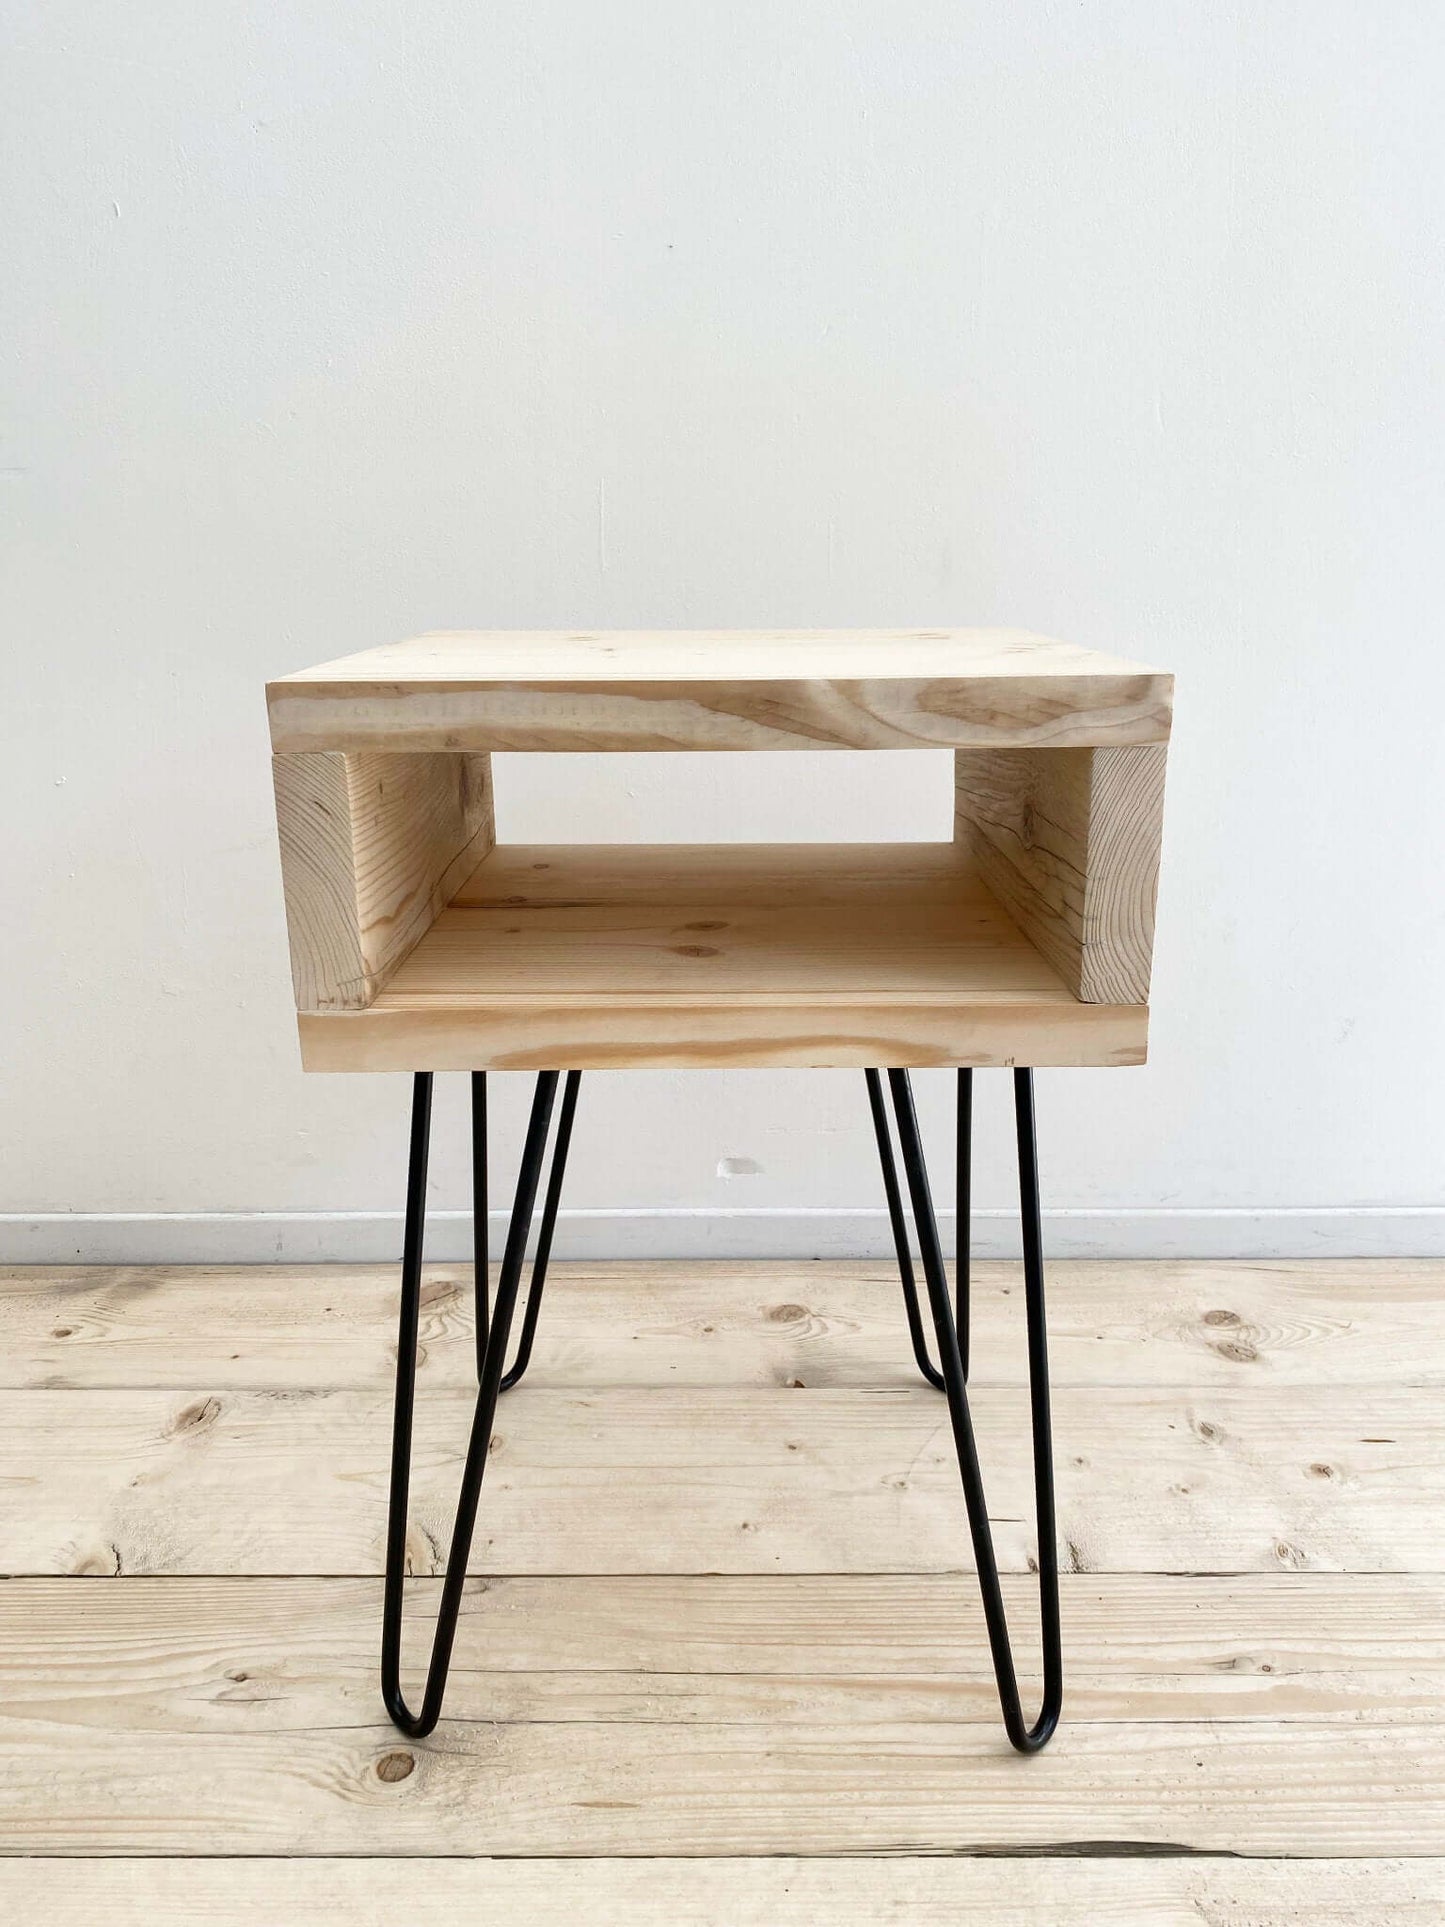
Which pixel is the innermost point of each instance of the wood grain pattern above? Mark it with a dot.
(1272, 1712)
(679, 954)
(1197, 1323)
(557, 1789)
(721, 690)
(774, 1480)
(221, 1656)
(1068, 841)
(754, 920)
(372, 847)
(897, 1891)
(651, 1034)
(1214, 1711)
(569, 959)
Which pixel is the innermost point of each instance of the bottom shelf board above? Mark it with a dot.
(594, 957)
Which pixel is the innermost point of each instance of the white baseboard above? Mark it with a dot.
(357, 1237)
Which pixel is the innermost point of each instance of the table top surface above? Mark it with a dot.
(464, 657)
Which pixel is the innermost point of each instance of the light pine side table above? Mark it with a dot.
(420, 944)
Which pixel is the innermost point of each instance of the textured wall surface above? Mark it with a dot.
(330, 322)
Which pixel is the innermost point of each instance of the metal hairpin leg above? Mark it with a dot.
(494, 1331)
(896, 1218)
(541, 1257)
(954, 1374)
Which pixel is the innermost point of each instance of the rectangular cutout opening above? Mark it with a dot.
(792, 796)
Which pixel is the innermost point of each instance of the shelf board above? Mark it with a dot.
(591, 956)
(718, 689)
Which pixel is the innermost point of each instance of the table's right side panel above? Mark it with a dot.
(1068, 841)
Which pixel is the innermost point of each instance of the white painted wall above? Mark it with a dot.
(330, 321)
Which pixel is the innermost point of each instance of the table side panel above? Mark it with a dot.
(372, 848)
(1068, 840)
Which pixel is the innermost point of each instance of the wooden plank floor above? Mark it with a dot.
(721, 1658)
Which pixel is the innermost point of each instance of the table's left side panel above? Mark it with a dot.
(372, 847)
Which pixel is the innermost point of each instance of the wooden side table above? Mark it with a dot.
(420, 944)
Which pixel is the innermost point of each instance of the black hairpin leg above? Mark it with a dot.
(480, 1255)
(1027, 1739)
(899, 1222)
(542, 1255)
(491, 1358)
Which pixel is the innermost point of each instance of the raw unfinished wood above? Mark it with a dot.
(775, 1480)
(557, 958)
(762, 921)
(223, 1656)
(1256, 1787)
(720, 690)
(678, 954)
(762, 1713)
(613, 1034)
(575, 959)
(1175, 1322)
(372, 847)
(1068, 841)
(893, 1891)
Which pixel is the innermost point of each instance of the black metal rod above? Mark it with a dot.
(950, 1333)
(899, 1224)
(1031, 1224)
(963, 1213)
(544, 1236)
(543, 1252)
(1026, 1739)
(963, 1161)
(418, 1725)
(480, 1255)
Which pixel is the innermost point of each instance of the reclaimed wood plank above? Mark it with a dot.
(1068, 841)
(760, 1788)
(718, 953)
(372, 847)
(766, 1479)
(1198, 1322)
(895, 1891)
(226, 1656)
(719, 690)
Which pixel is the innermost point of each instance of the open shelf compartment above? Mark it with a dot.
(419, 943)
(582, 957)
